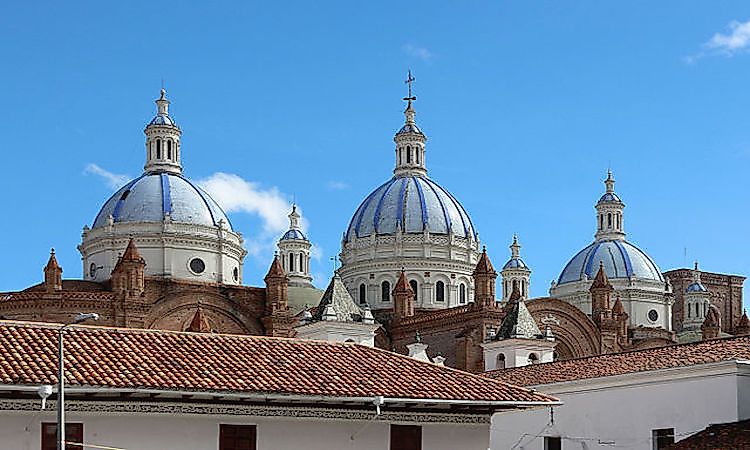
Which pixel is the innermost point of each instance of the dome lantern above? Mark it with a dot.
(410, 141)
(609, 216)
(294, 252)
(163, 140)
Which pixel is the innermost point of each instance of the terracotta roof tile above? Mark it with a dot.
(725, 436)
(702, 352)
(196, 362)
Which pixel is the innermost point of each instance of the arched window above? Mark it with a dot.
(439, 291)
(619, 221)
(500, 364)
(158, 149)
(385, 291)
(461, 293)
(362, 293)
(601, 221)
(416, 153)
(150, 150)
(533, 359)
(291, 262)
(690, 310)
(523, 289)
(705, 308)
(408, 154)
(414, 287)
(609, 220)
(301, 262)
(400, 155)
(169, 149)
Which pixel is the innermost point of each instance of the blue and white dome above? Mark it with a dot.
(150, 197)
(696, 287)
(515, 263)
(163, 119)
(620, 259)
(413, 204)
(293, 234)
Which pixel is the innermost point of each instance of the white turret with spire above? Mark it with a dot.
(696, 303)
(294, 251)
(410, 141)
(515, 272)
(609, 218)
(163, 140)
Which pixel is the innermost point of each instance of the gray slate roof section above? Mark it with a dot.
(518, 324)
(343, 304)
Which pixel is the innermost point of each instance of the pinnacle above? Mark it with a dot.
(131, 252)
(402, 286)
(484, 266)
(275, 271)
(601, 281)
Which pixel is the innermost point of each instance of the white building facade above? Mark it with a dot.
(630, 411)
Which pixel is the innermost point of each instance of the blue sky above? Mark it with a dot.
(526, 104)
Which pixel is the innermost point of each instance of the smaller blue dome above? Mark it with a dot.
(696, 287)
(515, 263)
(293, 234)
(409, 128)
(162, 119)
(610, 197)
(621, 259)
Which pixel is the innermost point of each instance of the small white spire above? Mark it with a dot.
(515, 248)
(610, 182)
(609, 213)
(162, 104)
(294, 218)
(410, 141)
(163, 152)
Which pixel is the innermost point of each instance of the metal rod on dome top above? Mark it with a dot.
(61, 375)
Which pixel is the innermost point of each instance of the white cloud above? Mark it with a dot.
(113, 180)
(235, 194)
(735, 40)
(337, 185)
(418, 52)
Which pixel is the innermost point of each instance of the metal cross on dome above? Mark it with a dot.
(409, 80)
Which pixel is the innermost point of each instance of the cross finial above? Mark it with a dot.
(409, 80)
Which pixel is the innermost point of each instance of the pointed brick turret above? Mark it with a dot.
(600, 280)
(403, 296)
(618, 309)
(712, 325)
(128, 276)
(278, 319)
(484, 282)
(200, 323)
(621, 317)
(131, 252)
(743, 327)
(52, 274)
(601, 290)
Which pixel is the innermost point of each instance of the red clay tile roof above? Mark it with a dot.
(199, 362)
(702, 352)
(725, 436)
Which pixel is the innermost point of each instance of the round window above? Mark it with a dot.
(653, 315)
(92, 270)
(197, 265)
(236, 274)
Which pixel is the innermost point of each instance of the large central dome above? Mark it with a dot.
(410, 223)
(411, 204)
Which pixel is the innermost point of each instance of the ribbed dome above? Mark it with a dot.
(410, 203)
(515, 263)
(151, 196)
(162, 119)
(293, 234)
(620, 259)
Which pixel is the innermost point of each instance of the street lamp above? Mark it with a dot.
(61, 376)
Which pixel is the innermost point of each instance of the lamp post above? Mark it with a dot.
(61, 376)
